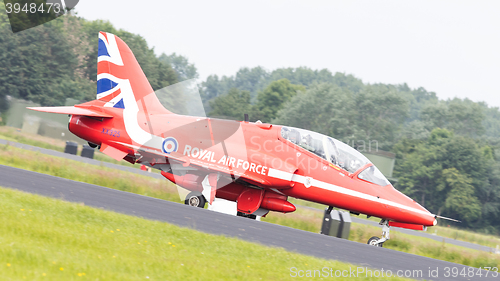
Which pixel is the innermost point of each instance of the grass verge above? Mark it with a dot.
(99, 175)
(48, 239)
(12, 134)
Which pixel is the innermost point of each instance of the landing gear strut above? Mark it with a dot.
(195, 199)
(379, 242)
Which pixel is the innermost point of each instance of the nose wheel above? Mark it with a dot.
(374, 242)
(195, 199)
(379, 242)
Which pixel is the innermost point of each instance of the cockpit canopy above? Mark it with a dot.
(336, 152)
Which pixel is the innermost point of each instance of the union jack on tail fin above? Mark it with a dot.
(120, 83)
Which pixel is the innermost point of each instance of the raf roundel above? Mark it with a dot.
(170, 145)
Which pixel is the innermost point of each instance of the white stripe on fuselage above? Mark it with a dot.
(327, 186)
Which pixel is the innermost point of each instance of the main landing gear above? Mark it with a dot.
(195, 199)
(379, 242)
(199, 199)
(93, 145)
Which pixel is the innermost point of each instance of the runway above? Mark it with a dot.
(294, 240)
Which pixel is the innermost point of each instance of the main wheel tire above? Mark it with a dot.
(373, 241)
(195, 199)
(93, 145)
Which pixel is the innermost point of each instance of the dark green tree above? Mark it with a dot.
(231, 106)
(491, 121)
(213, 87)
(417, 170)
(380, 113)
(34, 62)
(273, 97)
(180, 65)
(446, 173)
(324, 108)
(464, 117)
(246, 79)
(417, 99)
(461, 201)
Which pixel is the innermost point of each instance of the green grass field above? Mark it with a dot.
(48, 239)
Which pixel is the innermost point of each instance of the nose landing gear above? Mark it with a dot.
(379, 242)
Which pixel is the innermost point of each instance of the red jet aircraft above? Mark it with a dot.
(256, 165)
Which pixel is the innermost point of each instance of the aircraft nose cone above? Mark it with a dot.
(413, 212)
(426, 217)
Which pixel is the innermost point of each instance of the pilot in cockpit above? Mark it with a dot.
(285, 132)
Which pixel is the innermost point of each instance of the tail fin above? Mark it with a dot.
(120, 79)
(121, 83)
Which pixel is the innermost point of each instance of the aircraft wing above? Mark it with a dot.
(156, 157)
(152, 155)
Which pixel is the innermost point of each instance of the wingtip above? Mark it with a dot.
(35, 108)
(72, 110)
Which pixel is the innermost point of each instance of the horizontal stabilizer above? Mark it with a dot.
(71, 110)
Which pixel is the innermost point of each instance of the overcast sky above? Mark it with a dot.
(449, 47)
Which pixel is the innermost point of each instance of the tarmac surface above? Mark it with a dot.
(308, 243)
